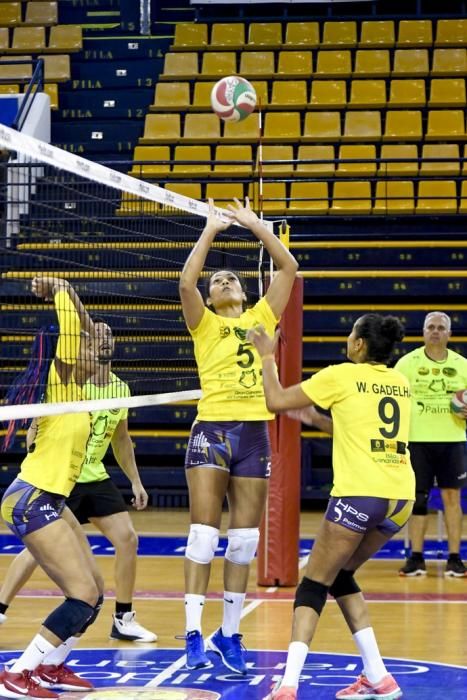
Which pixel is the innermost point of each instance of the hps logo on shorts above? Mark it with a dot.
(343, 509)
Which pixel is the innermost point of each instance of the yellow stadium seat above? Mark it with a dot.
(451, 32)
(410, 63)
(308, 198)
(394, 197)
(368, 93)
(190, 37)
(227, 36)
(264, 35)
(415, 32)
(51, 89)
(161, 128)
(274, 200)
(436, 197)
(256, 64)
(294, 64)
(217, 65)
(403, 125)
(41, 13)
(447, 92)
(9, 89)
(328, 93)
(289, 94)
(30, 39)
(322, 127)
(170, 97)
(148, 169)
(362, 126)
(189, 161)
(282, 127)
(334, 64)
(407, 93)
(180, 66)
(302, 35)
(134, 205)
(364, 169)
(187, 189)
(246, 131)
(275, 153)
(341, 35)
(314, 154)
(378, 33)
(4, 39)
(445, 125)
(398, 166)
(201, 128)
(464, 164)
(463, 200)
(241, 157)
(449, 62)
(261, 89)
(351, 198)
(10, 15)
(373, 63)
(223, 193)
(56, 68)
(441, 166)
(65, 38)
(19, 71)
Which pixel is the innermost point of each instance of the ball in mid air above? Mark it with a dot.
(233, 98)
(459, 401)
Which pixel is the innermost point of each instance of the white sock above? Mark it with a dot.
(296, 657)
(33, 655)
(193, 611)
(233, 604)
(372, 662)
(60, 653)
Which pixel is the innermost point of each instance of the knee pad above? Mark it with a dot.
(202, 543)
(311, 594)
(421, 503)
(344, 584)
(242, 544)
(92, 619)
(69, 618)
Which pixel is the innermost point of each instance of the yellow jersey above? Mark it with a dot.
(370, 407)
(229, 366)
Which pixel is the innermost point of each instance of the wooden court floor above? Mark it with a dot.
(415, 619)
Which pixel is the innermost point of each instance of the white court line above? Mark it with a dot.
(180, 663)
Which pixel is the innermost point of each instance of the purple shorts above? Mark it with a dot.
(364, 513)
(240, 448)
(26, 508)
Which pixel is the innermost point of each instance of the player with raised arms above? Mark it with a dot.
(372, 495)
(228, 452)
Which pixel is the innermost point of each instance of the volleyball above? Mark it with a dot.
(233, 98)
(459, 401)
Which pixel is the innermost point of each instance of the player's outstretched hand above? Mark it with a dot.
(244, 215)
(45, 287)
(214, 223)
(263, 342)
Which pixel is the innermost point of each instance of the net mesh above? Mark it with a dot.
(121, 244)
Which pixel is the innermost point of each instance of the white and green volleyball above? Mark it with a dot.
(459, 401)
(233, 98)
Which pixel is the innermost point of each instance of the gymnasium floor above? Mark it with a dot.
(420, 624)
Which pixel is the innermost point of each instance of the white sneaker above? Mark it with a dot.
(3, 618)
(126, 628)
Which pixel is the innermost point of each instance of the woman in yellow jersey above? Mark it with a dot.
(33, 506)
(228, 452)
(372, 495)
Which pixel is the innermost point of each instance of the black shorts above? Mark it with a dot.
(95, 499)
(445, 461)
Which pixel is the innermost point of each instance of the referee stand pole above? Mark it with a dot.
(278, 549)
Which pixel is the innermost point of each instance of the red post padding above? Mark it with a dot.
(279, 542)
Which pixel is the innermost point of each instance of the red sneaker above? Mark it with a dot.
(386, 689)
(61, 675)
(21, 685)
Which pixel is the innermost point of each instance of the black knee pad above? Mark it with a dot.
(344, 584)
(69, 618)
(421, 503)
(92, 619)
(311, 594)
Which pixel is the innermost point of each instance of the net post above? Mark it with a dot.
(279, 542)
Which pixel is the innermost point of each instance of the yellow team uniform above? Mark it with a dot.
(370, 406)
(229, 366)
